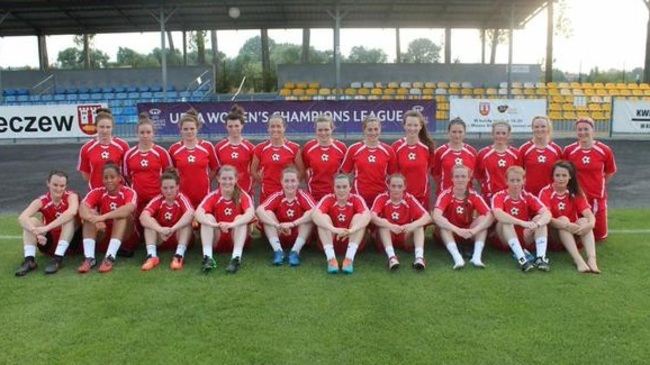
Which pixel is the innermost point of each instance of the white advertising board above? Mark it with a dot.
(479, 114)
(48, 121)
(631, 117)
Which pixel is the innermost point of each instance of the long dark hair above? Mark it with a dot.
(423, 135)
(573, 186)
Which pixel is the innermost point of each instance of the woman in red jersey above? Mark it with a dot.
(272, 156)
(107, 214)
(194, 159)
(167, 222)
(453, 153)
(521, 217)
(322, 157)
(224, 216)
(235, 150)
(342, 218)
(399, 219)
(414, 154)
(370, 161)
(56, 229)
(572, 216)
(286, 218)
(539, 154)
(493, 161)
(595, 165)
(462, 217)
(97, 152)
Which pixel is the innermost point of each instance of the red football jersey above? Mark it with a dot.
(538, 163)
(491, 167)
(460, 212)
(104, 202)
(143, 168)
(444, 160)
(414, 162)
(525, 207)
(370, 166)
(93, 156)
(194, 166)
(272, 160)
(225, 210)
(342, 215)
(407, 210)
(168, 214)
(563, 205)
(51, 211)
(289, 211)
(238, 156)
(321, 165)
(592, 164)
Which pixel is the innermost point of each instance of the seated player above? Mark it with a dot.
(462, 216)
(286, 218)
(399, 220)
(167, 222)
(224, 216)
(107, 214)
(56, 230)
(572, 216)
(342, 219)
(521, 217)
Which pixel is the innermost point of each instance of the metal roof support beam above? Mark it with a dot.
(2, 19)
(447, 45)
(398, 47)
(511, 33)
(549, 41)
(162, 19)
(337, 16)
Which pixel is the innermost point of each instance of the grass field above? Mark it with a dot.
(270, 315)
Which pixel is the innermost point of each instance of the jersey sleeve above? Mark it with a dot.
(378, 204)
(581, 204)
(84, 163)
(497, 201)
(348, 161)
(325, 204)
(130, 196)
(93, 198)
(245, 201)
(479, 204)
(610, 162)
(305, 200)
(416, 209)
(153, 206)
(272, 202)
(359, 205)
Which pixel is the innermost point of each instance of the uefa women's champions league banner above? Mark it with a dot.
(299, 115)
(631, 117)
(48, 121)
(479, 114)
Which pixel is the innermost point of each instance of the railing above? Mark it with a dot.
(44, 86)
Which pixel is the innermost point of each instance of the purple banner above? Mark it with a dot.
(347, 115)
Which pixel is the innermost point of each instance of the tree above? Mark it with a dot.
(173, 58)
(129, 57)
(197, 43)
(422, 50)
(494, 38)
(361, 54)
(73, 58)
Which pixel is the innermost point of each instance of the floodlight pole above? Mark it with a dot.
(337, 16)
(510, 41)
(162, 19)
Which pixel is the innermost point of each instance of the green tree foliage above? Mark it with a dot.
(72, 58)
(197, 43)
(361, 54)
(129, 57)
(422, 50)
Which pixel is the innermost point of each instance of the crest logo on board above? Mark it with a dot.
(86, 118)
(484, 108)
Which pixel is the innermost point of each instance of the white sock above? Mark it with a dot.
(419, 252)
(275, 244)
(238, 251)
(151, 250)
(390, 251)
(478, 251)
(351, 251)
(61, 247)
(89, 248)
(30, 250)
(207, 250)
(329, 252)
(113, 245)
(297, 246)
(540, 246)
(515, 246)
(453, 250)
(180, 250)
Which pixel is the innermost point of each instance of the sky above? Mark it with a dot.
(605, 34)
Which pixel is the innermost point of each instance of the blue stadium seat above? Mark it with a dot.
(155, 88)
(72, 97)
(109, 96)
(146, 95)
(131, 89)
(71, 90)
(115, 102)
(144, 89)
(22, 92)
(35, 98)
(59, 97)
(97, 96)
(22, 98)
(119, 119)
(129, 102)
(134, 95)
(83, 90)
(84, 97)
(9, 92)
(172, 95)
(59, 90)
(47, 97)
(159, 95)
(95, 90)
(119, 89)
(10, 98)
(130, 110)
(107, 90)
(121, 95)
(185, 94)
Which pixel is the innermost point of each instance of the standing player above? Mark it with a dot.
(272, 156)
(520, 218)
(286, 217)
(108, 214)
(97, 152)
(224, 216)
(453, 153)
(400, 219)
(235, 150)
(571, 215)
(194, 159)
(322, 157)
(370, 161)
(167, 222)
(595, 165)
(414, 154)
(493, 161)
(342, 218)
(539, 154)
(461, 215)
(53, 232)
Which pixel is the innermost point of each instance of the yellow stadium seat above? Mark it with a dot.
(553, 91)
(400, 97)
(373, 97)
(556, 107)
(646, 92)
(583, 114)
(587, 85)
(563, 85)
(301, 85)
(428, 91)
(555, 115)
(551, 85)
(577, 92)
(427, 97)
(364, 91)
(430, 85)
(541, 92)
(454, 91)
(402, 91)
(392, 85)
(557, 99)
(289, 85)
(540, 85)
(632, 85)
(607, 106)
(441, 99)
(625, 92)
(575, 85)
(610, 85)
(479, 91)
(644, 86)
(390, 91)
(311, 92)
(376, 91)
(637, 92)
(418, 85)
(598, 115)
(590, 92)
(298, 92)
(454, 85)
(595, 107)
(444, 106)
(443, 85)
(314, 85)
(529, 91)
(516, 91)
(599, 85)
(568, 107)
(621, 85)
(602, 92)
(466, 91)
(350, 91)
(569, 116)
(388, 97)
(304, 98)
(285, 92)
(325, 91)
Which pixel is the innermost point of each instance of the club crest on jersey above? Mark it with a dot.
(105, 155)
(191, 159)
(325, 157)
(395, 216)
(144, 163)
(586, 160)
(234, 155)
(372, 159)
(458, 161)
(411, 156)
(501, 163)
(484, 108)
(561, 206)
(227, 211)
(112, 206)
(86, 118)
(541, 159)
(290, 213)
(460, 210)
(275, 157)
(341, 217)
(168, 216)
(514, 211)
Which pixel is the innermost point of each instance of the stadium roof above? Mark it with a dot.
(48, 17)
